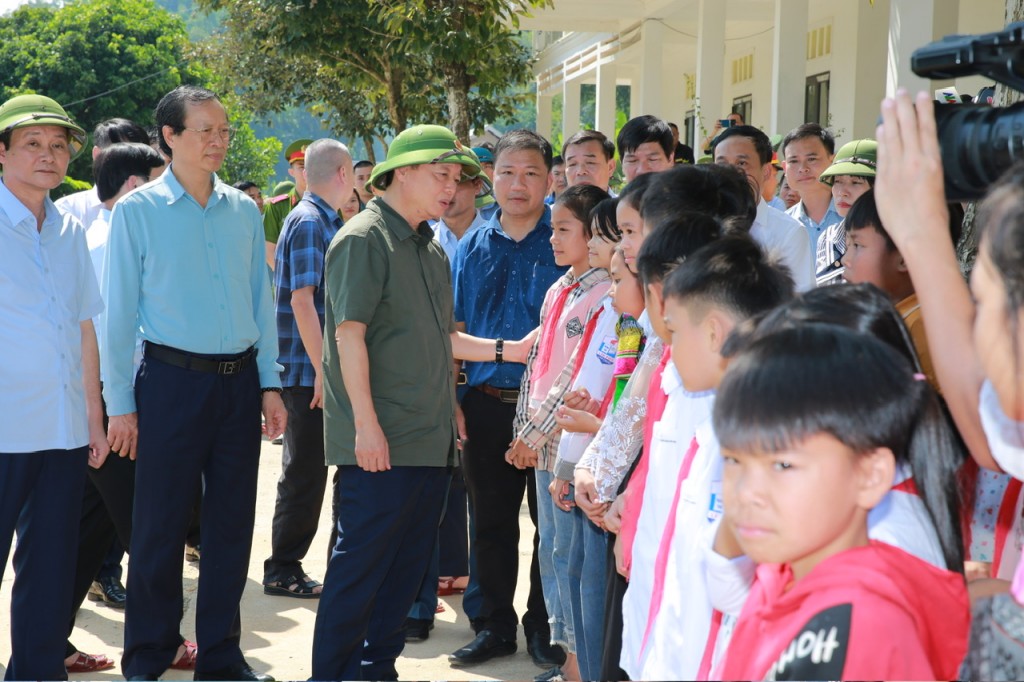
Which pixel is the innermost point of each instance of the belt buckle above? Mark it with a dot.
(229, 367)
(461, 380)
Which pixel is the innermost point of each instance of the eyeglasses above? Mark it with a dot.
(206, 134)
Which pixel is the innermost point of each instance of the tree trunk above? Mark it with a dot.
(368, 146)
(456, 85)
(967, 249)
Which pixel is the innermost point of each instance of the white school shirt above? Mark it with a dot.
(595, 375)
(681, 629)
(670, 439)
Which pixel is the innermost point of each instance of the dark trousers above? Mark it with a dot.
(300, 489)
(453, 536)
(192, 426)
(615, 590)
(111, 567)
(496, 490)
(40, 497)
(106, 515)
(387, 528)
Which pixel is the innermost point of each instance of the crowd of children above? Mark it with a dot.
(751, 482)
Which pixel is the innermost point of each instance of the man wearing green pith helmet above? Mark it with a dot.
(389, 403)
(50, 408)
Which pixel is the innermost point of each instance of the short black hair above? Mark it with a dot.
(672, 242)
(170, 111)
(120, 161)
(557, 161)
(523, 140)
(581, 200)
(115, 130)
(360, 164)
(864, 213)
(602, 217)
(243, 185)
(641, 130)
(762, 144)
(732, 273)
(719, 191)
(633, 194)
(807, 130)
(584, 136)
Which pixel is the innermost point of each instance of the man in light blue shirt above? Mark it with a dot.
(185, 269)
(462, 215)
(808, 150)
(50, 413)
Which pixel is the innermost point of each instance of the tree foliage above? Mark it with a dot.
(370, 68)
(113, 58)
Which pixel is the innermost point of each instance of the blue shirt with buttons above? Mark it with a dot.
(47, 289)
(185, 276)
(499, 289)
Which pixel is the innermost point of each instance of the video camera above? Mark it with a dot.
(978, 142)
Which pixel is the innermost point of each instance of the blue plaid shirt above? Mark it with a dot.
(499, 289)
(299, 263)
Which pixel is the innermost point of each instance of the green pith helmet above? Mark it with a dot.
(423, 144)
(36, 110)
(283, 188)
(296, 151)
(853, 158)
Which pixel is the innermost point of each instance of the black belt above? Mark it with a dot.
(212, 364)
(505, 395)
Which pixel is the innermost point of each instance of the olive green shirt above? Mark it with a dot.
(398, 283)
(274, 214)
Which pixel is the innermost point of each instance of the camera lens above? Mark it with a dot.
(978, 144)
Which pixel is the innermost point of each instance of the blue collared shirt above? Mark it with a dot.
(499, 289)
(447, 239)
(814, 229)
(185, 276)
(47, 289)
(299, 263)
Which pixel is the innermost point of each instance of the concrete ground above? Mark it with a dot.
(277, 632)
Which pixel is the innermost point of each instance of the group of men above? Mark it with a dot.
(355, 369)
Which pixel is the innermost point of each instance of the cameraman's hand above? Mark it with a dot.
(909, 187)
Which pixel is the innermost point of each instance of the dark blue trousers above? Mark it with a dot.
(41, 497)
(193, 426)
(387, 529)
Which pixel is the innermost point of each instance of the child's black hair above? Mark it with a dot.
(602, 217)
(861, 307)
(733, 273)
(672, 242)
(864, 213)
(581, 200)
(782, 389)
(633, 194)
(720, 191)
(643, 129)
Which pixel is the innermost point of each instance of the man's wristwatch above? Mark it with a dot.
(499, 348)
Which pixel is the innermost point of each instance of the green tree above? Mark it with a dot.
(373, 67)
(474, 45)
(249, 157)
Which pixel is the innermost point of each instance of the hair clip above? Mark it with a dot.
(920, 377)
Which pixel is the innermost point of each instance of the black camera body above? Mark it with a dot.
(978, 142)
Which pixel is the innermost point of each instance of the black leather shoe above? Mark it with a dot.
(417, 629)
(143, 677)
(108, 590)
(543, 652)
(486, 646)
(238, 671)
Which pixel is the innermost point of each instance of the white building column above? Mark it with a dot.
(651, 67)
(789, 60)
(605, 109)
(570, 108)
(913, 24)
(544, 118)
(710, 63)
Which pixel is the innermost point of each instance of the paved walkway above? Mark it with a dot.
(277, 632)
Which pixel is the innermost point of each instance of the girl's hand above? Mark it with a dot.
(613, 517)
(576, 421)
(581, 399)
(909, 190)
(560, 494)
